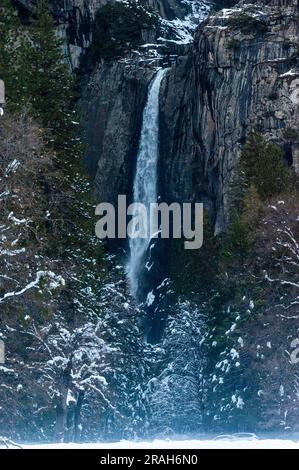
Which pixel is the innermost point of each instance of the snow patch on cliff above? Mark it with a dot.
(183, 29)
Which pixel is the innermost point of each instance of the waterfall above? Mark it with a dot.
(145, 182)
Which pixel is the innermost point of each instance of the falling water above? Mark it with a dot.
(145, 183)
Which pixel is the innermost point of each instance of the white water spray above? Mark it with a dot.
(145, 183)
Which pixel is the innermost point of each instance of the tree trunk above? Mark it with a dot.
(77, 416)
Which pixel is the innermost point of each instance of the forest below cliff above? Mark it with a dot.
(77, 365)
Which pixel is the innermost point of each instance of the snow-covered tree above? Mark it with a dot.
(175, 392)
(281, 237)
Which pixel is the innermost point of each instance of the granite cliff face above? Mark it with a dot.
(74, 19)
(232, 82)
(113, 103)
(115, 94)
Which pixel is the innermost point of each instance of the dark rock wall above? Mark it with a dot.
(217, 95)
(112, 106)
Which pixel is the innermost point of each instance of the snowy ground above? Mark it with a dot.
(218, 443)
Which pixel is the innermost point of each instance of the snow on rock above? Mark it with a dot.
(183, 29)
(290, 73)
(249, 9)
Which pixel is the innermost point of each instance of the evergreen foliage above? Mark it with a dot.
(220, 4)
(118, 28)
(9, 33)
(264, 166)
(248, 24)
(243, 310)
(200, 266)
(45, 80)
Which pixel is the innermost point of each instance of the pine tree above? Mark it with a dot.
(200, 266)
(9, 30)
(264, 166)
(235, 246)
(46, 79)
(252, 211)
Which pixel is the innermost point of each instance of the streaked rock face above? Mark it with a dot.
(229, 84)
(73, 19)
(112, 106)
